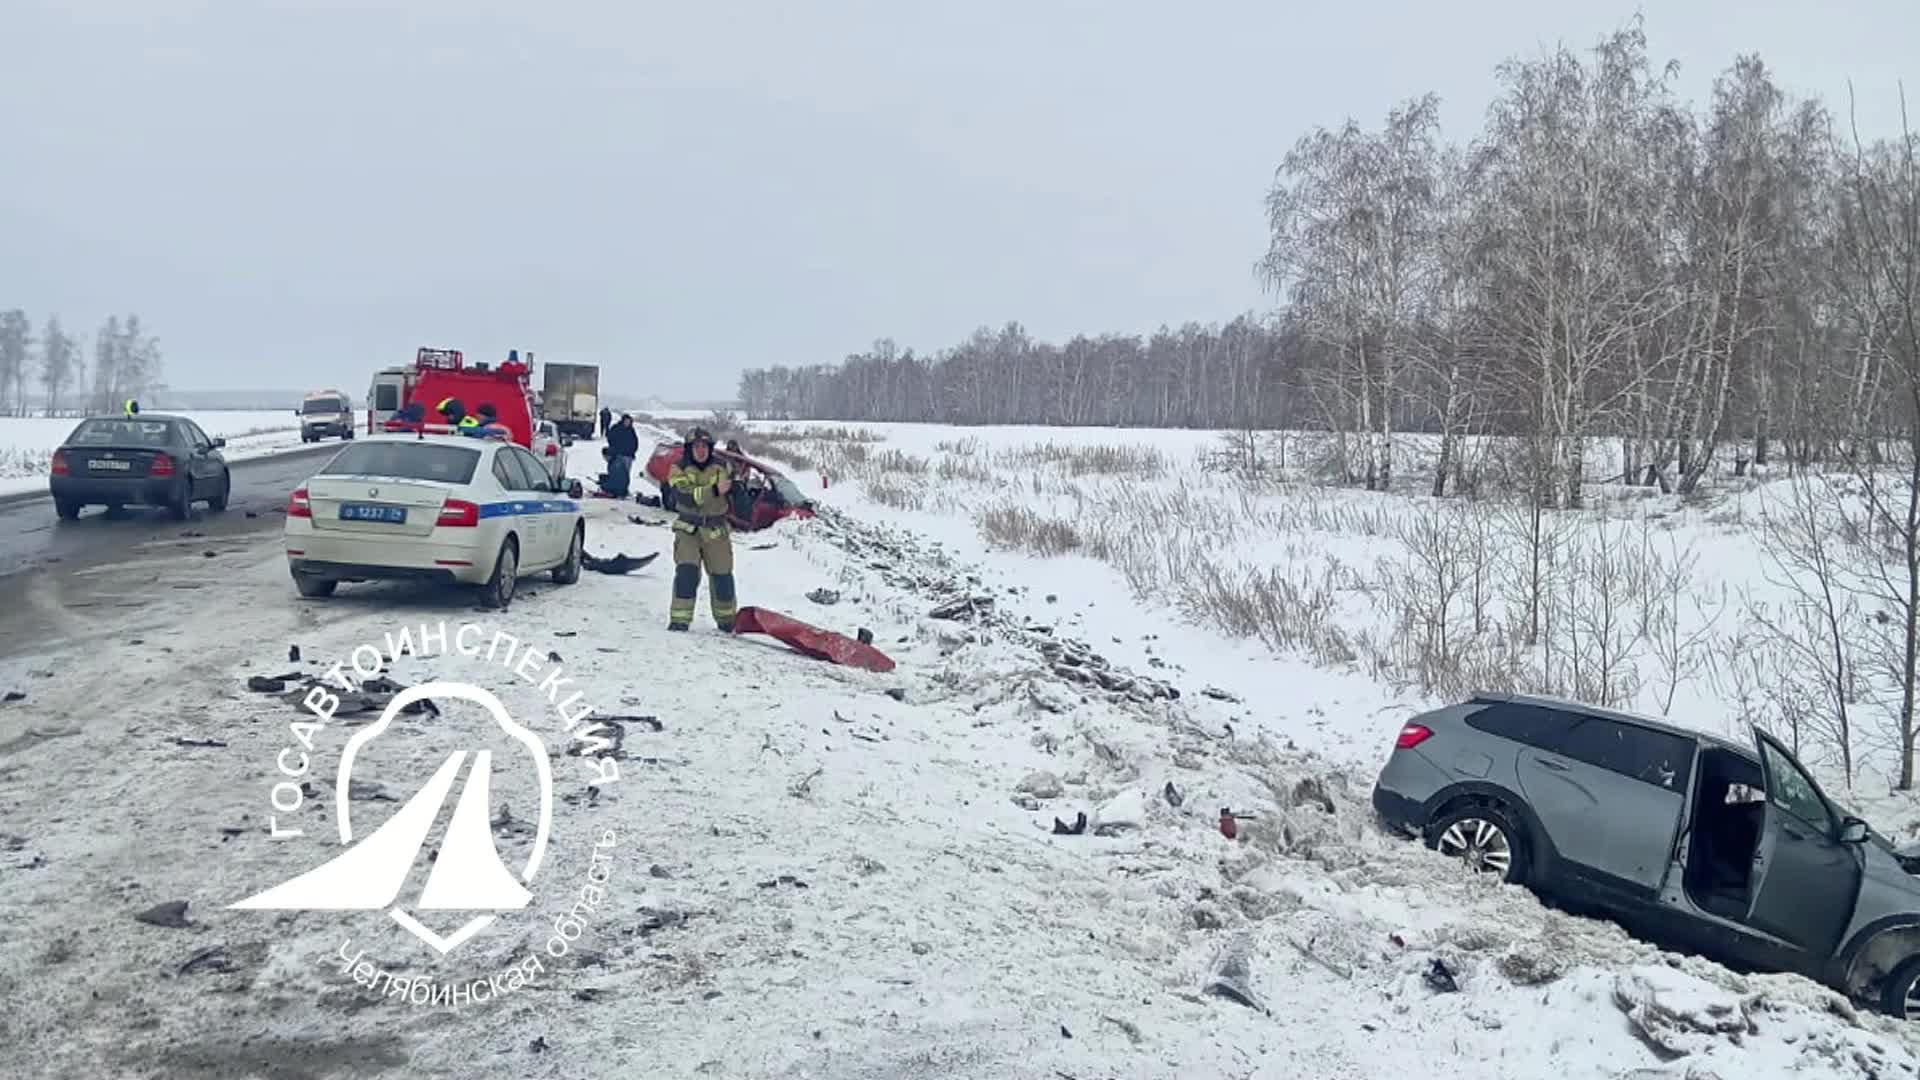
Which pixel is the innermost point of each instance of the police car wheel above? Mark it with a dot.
(569, 572)
(498, 591)
(314, 588)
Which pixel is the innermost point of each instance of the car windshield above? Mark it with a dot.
(405, 461)
(788, 491)
(322, 405)
(122, 433)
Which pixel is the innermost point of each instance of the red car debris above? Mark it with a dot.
(811, 640)
(753, 508)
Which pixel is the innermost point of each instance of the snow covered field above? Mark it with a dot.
(27, 444)
(1341, 610)
(831, 873)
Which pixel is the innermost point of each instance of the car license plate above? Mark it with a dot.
(110, 465)
(389, 515)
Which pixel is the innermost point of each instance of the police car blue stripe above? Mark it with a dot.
(531, 506)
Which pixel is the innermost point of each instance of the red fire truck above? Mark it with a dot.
(439, 374)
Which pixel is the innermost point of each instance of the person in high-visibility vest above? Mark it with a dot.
(132, 407)
(455, 413)
(701, 534)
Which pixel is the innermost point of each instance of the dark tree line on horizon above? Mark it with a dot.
(1731, 283)
(47, 370)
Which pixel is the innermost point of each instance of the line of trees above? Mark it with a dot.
(1601, 260)
(47, 370)
(1196, 376)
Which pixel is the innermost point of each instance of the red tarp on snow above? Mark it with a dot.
(811, 640)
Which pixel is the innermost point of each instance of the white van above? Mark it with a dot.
(325, 413)
(388, 392)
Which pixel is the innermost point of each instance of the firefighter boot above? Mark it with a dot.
(723, 603)
(716, 553)
(686, 588)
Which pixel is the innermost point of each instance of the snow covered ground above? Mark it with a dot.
(27, 444)
(1323, 604)
(820, 872)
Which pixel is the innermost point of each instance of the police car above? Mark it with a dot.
(432, 507)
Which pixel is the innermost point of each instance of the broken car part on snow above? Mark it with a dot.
(619, 564)
(811, 640)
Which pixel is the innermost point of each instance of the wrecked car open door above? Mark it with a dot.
(1805, 877)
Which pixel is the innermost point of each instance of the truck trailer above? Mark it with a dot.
(570, 397)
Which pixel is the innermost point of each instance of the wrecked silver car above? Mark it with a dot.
(1691, 840)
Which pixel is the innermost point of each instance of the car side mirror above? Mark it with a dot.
(1854, 831)
(218, 443)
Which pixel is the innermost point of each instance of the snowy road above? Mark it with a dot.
(820, 872)
(30, 532)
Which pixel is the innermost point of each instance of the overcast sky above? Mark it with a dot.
(305, 191)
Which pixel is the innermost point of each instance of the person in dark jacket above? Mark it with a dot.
(623, 444)
(606, 421)
(489, 426)
(741, 495)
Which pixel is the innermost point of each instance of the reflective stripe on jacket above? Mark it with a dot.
(697, 490)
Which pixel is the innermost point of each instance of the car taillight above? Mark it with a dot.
(162, 466)
(553, 449)
(1412, 735)
(60, 463)
(458, 513)
(298, 505)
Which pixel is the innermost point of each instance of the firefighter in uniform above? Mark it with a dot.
(701, 535)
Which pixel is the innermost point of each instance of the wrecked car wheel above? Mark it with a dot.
(497, 593)
(1900, 994)
(1482, 836)
(569, 572)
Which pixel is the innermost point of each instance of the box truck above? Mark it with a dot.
(570, 397)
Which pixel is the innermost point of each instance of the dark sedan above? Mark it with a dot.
(144, 460)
